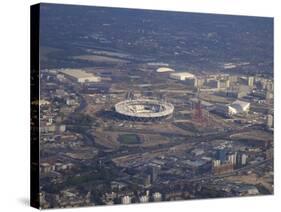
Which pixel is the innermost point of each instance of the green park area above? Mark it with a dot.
(128, 139)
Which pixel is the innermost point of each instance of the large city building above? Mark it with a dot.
(225, 110)
(231, 109)
(223, 83)
(126, 200)
(182, 76)
(251, 81)
(241, 106)
(269, 121)
(80, 75)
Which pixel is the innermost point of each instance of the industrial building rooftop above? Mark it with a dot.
(181, 75)
(80, 75)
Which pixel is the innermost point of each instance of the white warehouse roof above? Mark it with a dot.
(80, 75)
(182, 75)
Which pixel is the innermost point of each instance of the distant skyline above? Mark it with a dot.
(169, 36)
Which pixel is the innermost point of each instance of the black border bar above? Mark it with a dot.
(34, 105)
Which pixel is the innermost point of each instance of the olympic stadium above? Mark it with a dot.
(144, 109)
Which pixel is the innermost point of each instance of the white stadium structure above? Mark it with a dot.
(144, 109)
(237, 107)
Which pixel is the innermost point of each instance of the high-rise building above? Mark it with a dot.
(221, 154)
(224, 83)
(251, 81)
(241, 159)
(244, 159)
(147, 180)
(233, 79)
(223, 168)
(269, 121)
(157, 196)
(232, 158)
(144, 199)
(269, 85)
(200, 82)
(126, 200)
(154, 171)
(213, 83)
(216, 163)
(269, 95)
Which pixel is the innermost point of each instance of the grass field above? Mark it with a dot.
(128, 139)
